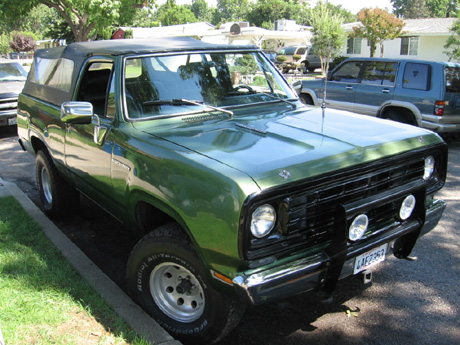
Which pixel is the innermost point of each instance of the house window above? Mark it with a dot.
(409, 45)
(354, 45)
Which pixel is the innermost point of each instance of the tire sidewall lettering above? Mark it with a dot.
(145, 268)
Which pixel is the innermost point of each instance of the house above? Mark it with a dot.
(422, 39)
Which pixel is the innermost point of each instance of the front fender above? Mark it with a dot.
(312, 94)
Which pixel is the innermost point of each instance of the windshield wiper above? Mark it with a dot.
(279, 99)
(180, 101)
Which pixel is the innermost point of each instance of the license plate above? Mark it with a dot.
(370, 258)
(12, 121)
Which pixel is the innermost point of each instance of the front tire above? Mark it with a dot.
(58, 198)
(165, 277)
(306, 99)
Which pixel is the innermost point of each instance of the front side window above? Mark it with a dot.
(163, 85)
(94, 86)
(409, 45)
(348, 72)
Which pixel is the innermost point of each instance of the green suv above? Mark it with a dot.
(416, 92)
(239, 193)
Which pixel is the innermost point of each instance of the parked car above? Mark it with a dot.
(416, 92)
(239, 193)
(308, 61)
(271, 54)
(12, 79)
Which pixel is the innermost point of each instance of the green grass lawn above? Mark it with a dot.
(43, 300)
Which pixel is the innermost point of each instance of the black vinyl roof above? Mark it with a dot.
(131, 46)
(81, 51)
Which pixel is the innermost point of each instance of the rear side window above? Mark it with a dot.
(417, 76)
(380, 73)
(453, 79)
(55, 73)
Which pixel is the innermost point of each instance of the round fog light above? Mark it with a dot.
(358, 227)
(407, 207)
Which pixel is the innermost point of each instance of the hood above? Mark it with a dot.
(283, 147)
(11, 89)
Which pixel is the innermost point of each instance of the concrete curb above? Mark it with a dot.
(134, 316)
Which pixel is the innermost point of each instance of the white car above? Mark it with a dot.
(12, 79)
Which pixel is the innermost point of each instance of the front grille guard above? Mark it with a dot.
(315, 217)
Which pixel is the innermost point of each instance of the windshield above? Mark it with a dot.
(217, 79)
(12, 71)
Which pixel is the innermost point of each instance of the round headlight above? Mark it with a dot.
(358, 227)
(407, 207)
(263, 220)
(429, 168)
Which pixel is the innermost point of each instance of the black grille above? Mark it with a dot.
(308, 215)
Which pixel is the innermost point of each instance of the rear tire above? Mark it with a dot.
(400, 116)
(165, 277)
(58, 198)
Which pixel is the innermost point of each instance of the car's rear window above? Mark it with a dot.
(453, 79)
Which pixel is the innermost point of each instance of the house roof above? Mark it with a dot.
(420, 27)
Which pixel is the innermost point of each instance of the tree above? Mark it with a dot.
(425, 8)
(453, 43)
(230, 10)
(202, 12)
(84, 17)
(443, 8)
(377, 26)
(328, 34)
(172, 14)
(265, 12)
(5, 40)
(22, 42)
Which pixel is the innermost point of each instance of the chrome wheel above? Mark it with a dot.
(46, 186)
(177, 292)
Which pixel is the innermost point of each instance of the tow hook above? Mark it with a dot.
(367, 276)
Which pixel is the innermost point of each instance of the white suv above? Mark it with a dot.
(309, 61)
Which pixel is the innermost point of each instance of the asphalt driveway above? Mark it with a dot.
(407, 303)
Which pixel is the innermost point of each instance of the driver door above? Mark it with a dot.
(88, 147)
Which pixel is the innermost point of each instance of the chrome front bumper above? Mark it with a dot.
(312, 272)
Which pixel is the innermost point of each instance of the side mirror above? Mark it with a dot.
(329, 76)
(77, 112)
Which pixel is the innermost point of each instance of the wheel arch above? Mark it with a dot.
(405, 108)
(150, 213)
(312, 94)
(37, 144)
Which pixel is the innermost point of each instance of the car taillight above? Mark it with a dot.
(439, 107)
